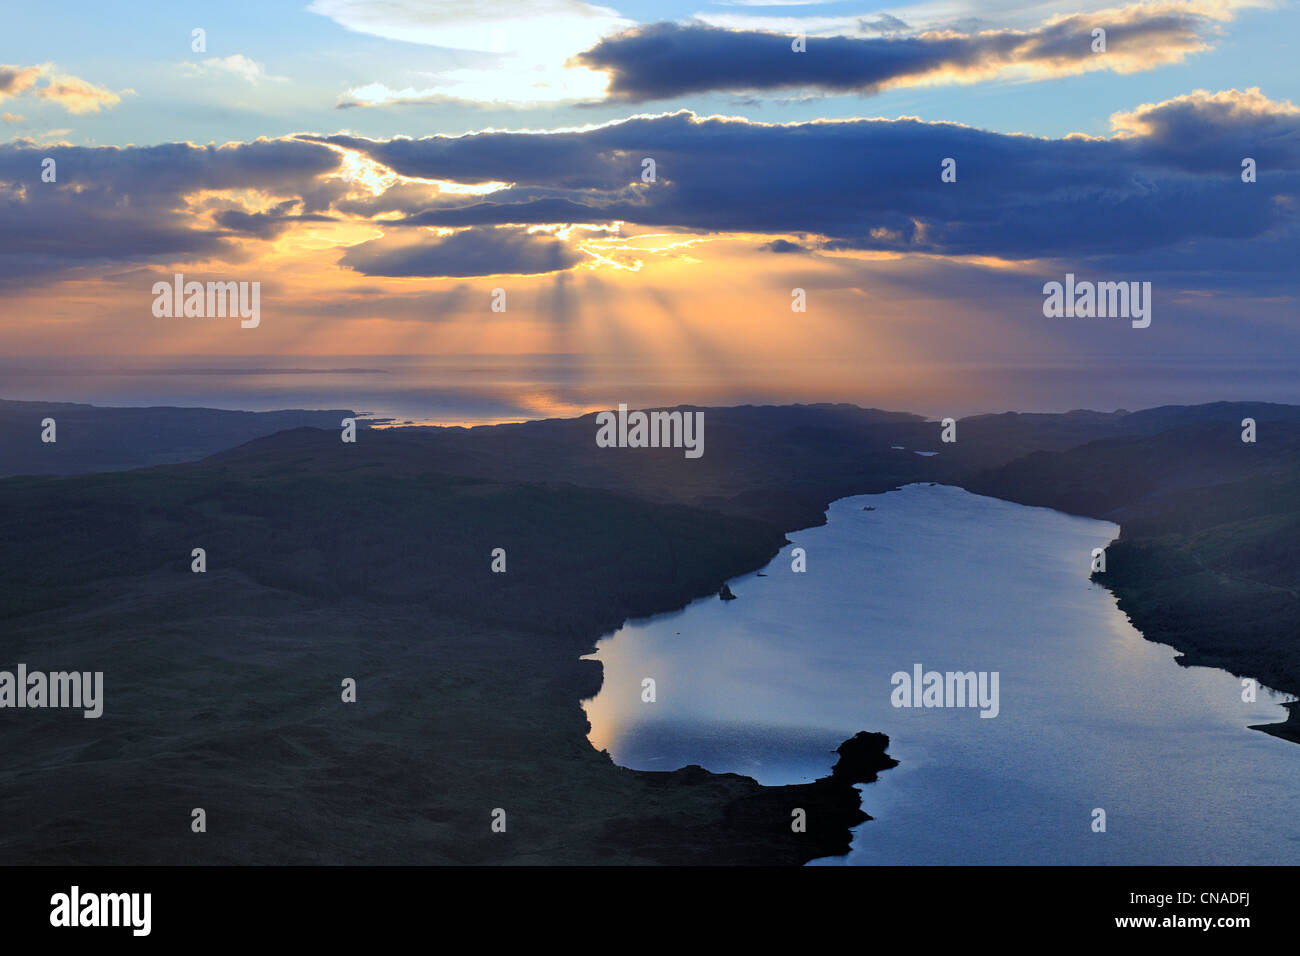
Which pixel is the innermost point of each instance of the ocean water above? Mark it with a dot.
(1090, 715)
(484, 389)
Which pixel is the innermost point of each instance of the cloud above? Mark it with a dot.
(771, 3)
(1202, 131)
(513, 26)
(138, 204)
(16, 80)
(524, 46)
(472, 252)
(77, 95)
(265, 225)
(377, 94)
(667, 60)
(884, 23)
(12, 119)
(74, 94)
(1142, 198)
(246, 69)
(874, 185)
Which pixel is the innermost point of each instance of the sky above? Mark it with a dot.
(740, 201)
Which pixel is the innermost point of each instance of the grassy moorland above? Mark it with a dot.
(1208, 557)
(223, 688)
(373, 561)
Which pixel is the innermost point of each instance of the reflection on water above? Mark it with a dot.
(1091, 714)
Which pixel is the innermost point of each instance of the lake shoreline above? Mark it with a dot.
(640, 739)
(1142, 613)
(760, 825)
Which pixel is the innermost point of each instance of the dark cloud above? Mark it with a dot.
(1165, 193)
(667, 60)
(111, 203)
(875, 184)
(1204, 132)
(472, 252)
(526, 211)
(264, 225)
(783, 245)
(501, 157)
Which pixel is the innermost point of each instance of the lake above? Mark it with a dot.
(1090, 715)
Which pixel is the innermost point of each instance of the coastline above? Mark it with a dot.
(1144, 616)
